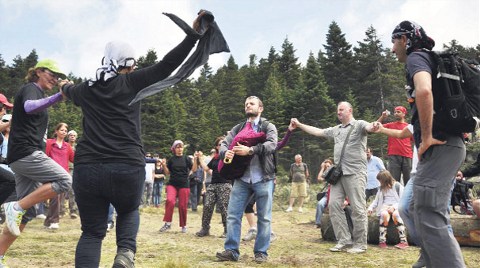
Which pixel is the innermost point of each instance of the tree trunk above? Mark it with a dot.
(465, 228)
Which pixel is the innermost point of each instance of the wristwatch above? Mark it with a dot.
(250, 151)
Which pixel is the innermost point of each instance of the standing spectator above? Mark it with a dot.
(440, 153)
(149, 175)
(299, 176)
(178, 167)
(353, 180)
(159, 178)
(374, 165)
(7, 180)
(386, 202)
(257, 179)
(32, 167)
(399, 150)
(208, 177)
(196, 181)
(218, 192)
(62, 153)
(110, 160)
(72, 205)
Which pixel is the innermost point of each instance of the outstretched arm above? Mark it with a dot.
(309, 129)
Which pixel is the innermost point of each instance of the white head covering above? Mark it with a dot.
(117, 54)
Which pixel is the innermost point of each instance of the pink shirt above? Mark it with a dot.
(60, 155)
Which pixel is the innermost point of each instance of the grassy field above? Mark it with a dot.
(299, 244)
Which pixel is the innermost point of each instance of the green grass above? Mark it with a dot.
(299, 244)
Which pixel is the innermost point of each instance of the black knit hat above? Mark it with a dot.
(416, 36)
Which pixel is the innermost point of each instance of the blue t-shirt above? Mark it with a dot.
(374, 165)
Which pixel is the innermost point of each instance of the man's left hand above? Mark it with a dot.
(426, 143)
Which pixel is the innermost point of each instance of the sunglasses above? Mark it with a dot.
(54, 76)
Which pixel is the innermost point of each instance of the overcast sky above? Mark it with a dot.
(74, 33)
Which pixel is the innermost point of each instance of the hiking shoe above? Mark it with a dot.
(184, 229)
(340, 247)
(420, 262)
(165, 228)
(260, 257)
(382, 245)
(356, 250)
(202, 233)
(13, 218)
(227, 255)
(402, 245)
(251, 234)
(125, 258)
(73, 216)
(289, 209)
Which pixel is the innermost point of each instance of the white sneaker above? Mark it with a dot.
(289, 209)
(13, 218)
(251, 234)
(41, 216)
(54, 226)
(356, 250)
(184, 229)
(340, 247)
(300, 210)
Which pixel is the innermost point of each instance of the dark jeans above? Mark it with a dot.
(96, 186)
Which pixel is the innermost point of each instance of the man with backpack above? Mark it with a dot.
(299, 177)
(440, 153)
(257, 178)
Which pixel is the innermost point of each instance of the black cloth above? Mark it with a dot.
(179, 167)
(111, 127)
(211, 42)
(27, 131)
(216, 177)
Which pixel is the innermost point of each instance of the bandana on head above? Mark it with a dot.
(401, 109)
(416, 36)
(175, 143)
(117, 54)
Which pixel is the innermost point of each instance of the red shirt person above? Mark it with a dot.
(399, 150)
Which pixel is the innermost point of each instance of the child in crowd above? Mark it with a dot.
(386, 203)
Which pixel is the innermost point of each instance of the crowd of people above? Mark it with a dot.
(239, 175)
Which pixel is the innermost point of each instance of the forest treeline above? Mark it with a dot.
(198, 110)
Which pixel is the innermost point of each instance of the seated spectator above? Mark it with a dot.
(386, 202)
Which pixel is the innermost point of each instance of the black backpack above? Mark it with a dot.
(457, 88)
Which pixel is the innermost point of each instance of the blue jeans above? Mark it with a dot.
(157, 192)
(97, 185)
(239, 198)
(321, 205)
(111, 209)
